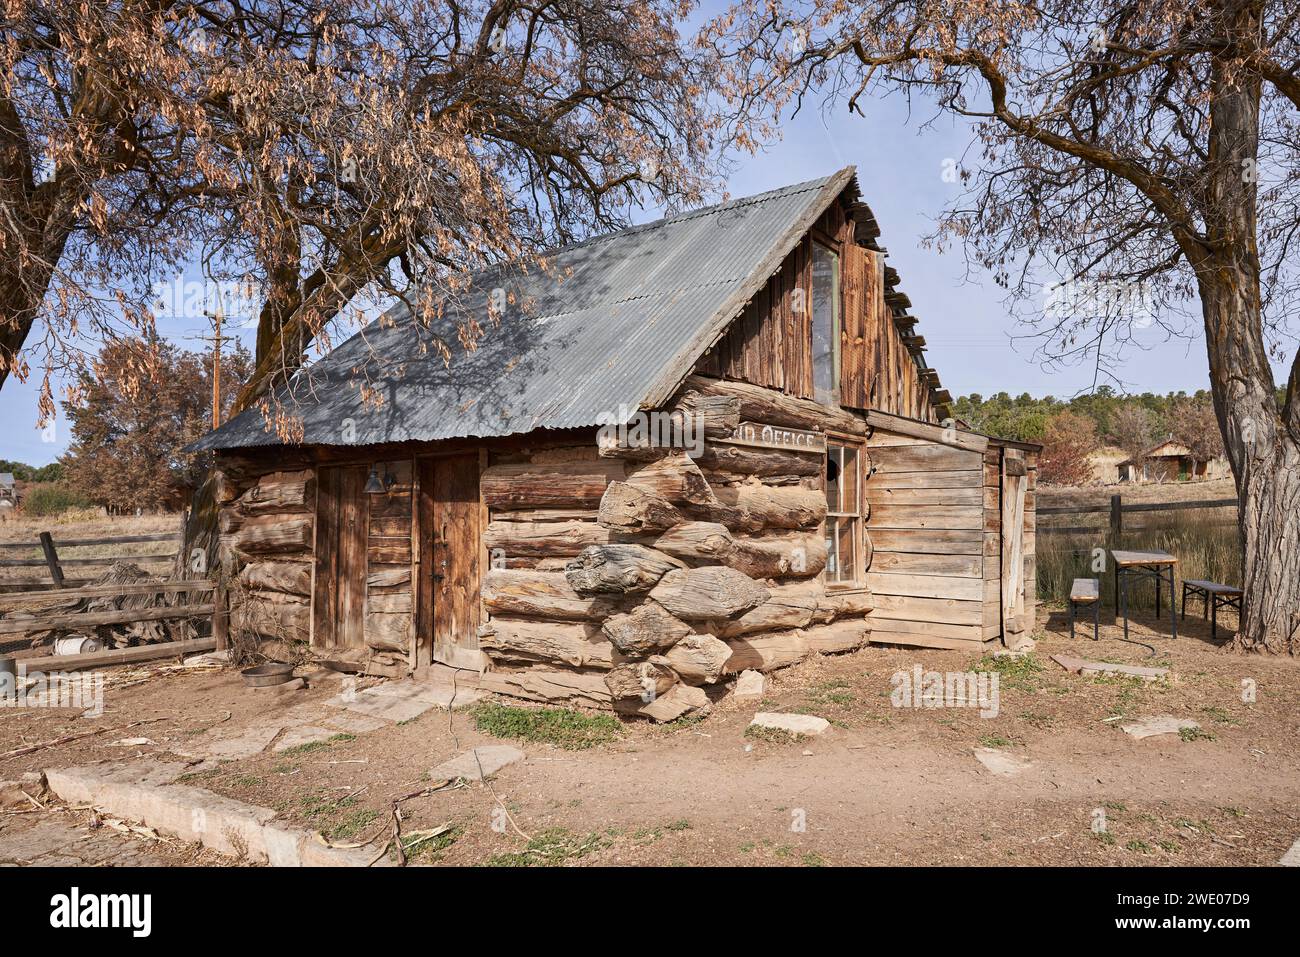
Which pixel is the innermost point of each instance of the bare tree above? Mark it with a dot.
(1141, 153)
(1132, 429)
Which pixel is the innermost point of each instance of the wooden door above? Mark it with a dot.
(339, 597)
(450, 531)
(1014, 481)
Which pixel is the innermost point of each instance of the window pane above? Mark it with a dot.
(825, 323)
(834, 467)
(831, 563)
(847, 549)
(849, 481)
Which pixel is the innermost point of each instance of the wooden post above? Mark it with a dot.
(221, 614)
(52, 559)
(1116, 518)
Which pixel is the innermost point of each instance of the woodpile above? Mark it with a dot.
(645, 580)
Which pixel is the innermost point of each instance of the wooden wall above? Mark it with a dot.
(770, 343)
(926, 524)
(642, 580)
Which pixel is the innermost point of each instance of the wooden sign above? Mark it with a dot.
(777, 437)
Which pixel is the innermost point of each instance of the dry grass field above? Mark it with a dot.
(79, 524)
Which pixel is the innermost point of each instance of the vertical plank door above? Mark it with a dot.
(1013, 542)
(339, 599)
(447, 616)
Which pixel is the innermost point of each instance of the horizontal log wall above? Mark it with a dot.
(267, 515)
(928, 527)
(643, 580)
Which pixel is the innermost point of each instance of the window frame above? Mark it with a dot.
(859, 445)
(836, 331)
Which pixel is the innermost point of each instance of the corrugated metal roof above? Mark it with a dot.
(631, 315)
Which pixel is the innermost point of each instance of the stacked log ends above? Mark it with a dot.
(711, 591)
(617, 569)
(267, 526)
(646, 629)
(627, 508)
(679, 700)
(699, 659)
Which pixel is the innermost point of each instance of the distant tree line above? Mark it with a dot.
(1071, 429)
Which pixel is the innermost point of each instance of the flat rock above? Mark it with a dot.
(307, 734)
(233, 747)
(477, 763)
(808, 725)
(1000, 763)
(1162, 724)
(750, 684)
(396, 701)
(1292, 857)
(1084, 667)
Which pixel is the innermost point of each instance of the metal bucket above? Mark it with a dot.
(76, 646)
(271, 673)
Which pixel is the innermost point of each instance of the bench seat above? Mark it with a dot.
(1085, 590)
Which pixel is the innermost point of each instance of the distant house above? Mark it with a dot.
(1105, 463)
(1171, 461)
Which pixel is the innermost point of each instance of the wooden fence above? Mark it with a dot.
(54, 558)
(1116, 511)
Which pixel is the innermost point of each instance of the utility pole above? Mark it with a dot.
(217, 318)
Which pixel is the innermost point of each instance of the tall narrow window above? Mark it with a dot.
(825, 323)
(843, 516)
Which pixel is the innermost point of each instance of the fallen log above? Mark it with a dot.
(122, 656)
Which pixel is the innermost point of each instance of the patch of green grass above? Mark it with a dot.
(1233, 811)
(248, 781)
(306, 747)
(772, 735)
(550, 848)
(352, 824)
(1195, 734)
(1023, 673)
(562, 727)
(995, 741)
(1170, 847)
(1105, 837)
(1140, 847)
(1116, 806)
(418, 849)
(1035, 720)
(679, 825)
(195, 776)
(1220, 716)
(343, 736)
(812, 859)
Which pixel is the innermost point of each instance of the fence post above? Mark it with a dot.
(52, 559)
(1116, 518)
(221, 614)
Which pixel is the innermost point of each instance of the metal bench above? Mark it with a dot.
(1216, 596)
(1086, 591)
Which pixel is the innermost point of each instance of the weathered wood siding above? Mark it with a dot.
(770, 343)
(927, 501)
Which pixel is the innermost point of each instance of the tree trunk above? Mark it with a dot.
(1262, 442)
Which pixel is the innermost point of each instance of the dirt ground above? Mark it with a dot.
(884, 785)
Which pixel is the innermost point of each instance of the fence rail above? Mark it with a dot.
(1116, 510)
(54, 562)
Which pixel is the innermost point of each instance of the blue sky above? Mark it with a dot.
(964, 320)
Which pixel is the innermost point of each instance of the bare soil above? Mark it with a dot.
(884, 785)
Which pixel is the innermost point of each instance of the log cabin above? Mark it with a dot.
(702, 445)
